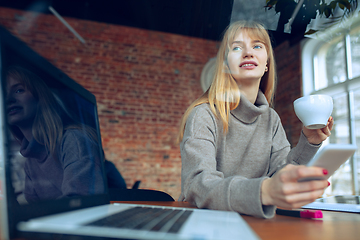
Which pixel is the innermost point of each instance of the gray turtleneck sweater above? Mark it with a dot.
(225, 172)
(77, 171)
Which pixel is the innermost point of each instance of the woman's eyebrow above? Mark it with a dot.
(253, 41)
(237, 42)
(16, 85)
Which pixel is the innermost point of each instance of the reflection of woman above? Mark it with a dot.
(233, 146)
(63, 157)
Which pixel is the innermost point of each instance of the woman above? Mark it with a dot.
(63, 157)
(233, 146)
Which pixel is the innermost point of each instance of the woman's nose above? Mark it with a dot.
(247, 53)
(10, 99)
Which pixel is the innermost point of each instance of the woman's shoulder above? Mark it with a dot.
(78, 134)
(274, 118)
(273, 113)
(74, 132)
(201, 116)
(201, 123)
(77, 140)
(202, 111)
(204, 107)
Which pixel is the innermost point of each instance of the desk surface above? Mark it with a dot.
(333, 225)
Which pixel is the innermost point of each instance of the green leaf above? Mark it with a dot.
(322, 8)
(333, 4)
(346, 3)
(284, 6)
(311, 31)
(271, 2)
(327, 12)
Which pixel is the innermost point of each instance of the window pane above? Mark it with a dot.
(355, 54)
(357, 104)
(357, 153)
(341, 181)
(340, 132)
(335, 63)
(357, 131)
(357, 159)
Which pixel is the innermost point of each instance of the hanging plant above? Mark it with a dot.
(309, 10)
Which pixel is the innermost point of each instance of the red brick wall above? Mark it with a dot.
(143, 81)
(289, 87)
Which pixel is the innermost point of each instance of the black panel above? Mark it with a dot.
(196, 18)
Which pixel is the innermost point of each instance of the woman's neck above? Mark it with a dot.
(250, 92)
(27, 132)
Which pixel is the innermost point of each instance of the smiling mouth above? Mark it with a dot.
(13, 110)
(248, 65)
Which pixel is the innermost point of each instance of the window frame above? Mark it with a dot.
(310, 67)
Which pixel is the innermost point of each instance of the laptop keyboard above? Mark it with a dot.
(146, 218)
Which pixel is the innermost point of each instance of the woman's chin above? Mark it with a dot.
(18, 122)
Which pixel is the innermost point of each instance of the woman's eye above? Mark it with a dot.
(19, 90)
(236, 48)
(257, 46)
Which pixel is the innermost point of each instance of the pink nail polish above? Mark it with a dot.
(325, 171)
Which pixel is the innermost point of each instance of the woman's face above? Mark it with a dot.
(247, 59)
(21, 104)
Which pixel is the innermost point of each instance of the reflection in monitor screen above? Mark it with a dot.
(55, 146)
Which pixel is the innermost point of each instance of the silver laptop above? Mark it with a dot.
(30, 202)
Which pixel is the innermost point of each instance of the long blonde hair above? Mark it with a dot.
(224, 91)
(48, 126)
(50, 120)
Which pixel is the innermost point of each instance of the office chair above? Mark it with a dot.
(136, 185)
(117, 194)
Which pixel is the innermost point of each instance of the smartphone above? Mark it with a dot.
(330, 157)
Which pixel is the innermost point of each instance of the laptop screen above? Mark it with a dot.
(51, 145)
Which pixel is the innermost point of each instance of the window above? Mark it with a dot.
(331, 66)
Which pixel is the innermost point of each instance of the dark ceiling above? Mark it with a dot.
(196, 18)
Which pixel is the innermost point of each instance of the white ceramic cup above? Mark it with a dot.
(314, 110)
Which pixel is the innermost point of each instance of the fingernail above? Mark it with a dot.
(328, 183)
(325, 171)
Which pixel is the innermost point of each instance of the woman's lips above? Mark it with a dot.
(248, 65)
(14, 110)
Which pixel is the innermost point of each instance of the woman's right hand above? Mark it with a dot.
(283, 189)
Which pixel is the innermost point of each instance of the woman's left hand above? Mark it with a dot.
(284, 189)
(317, 136)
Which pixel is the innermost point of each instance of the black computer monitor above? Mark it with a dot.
(63, 117)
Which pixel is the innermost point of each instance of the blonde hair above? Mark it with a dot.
(50, 120)
(48, 126)
(224, 91)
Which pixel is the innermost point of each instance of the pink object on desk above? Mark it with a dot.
(300, 214)
(311, 214)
